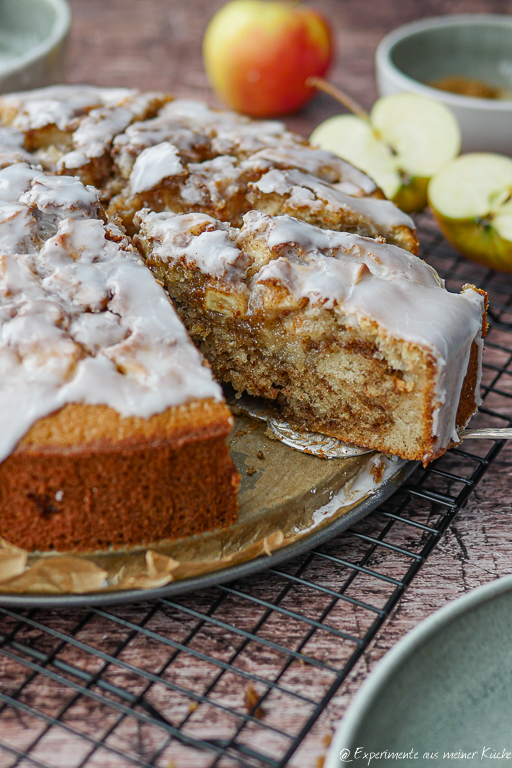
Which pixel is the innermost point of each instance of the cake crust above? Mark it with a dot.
(85, 478)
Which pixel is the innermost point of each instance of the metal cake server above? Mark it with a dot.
(322, 445)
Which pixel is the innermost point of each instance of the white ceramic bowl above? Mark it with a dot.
(32, 40)
(478, 46)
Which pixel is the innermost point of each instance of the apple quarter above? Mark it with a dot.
(351, 337)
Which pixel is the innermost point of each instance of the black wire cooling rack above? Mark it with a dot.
(238, 675)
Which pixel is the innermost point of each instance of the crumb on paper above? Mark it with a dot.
(326, 739)
(193, 706)
(377, 470)
(260, 455)
(251, 470)
(251, 699)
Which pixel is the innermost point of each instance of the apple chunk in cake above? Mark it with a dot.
(351, 337)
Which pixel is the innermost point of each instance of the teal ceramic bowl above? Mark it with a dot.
(32, 39)
(445, 688)
(476, 46)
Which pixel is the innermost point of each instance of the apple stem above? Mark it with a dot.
(343, 98)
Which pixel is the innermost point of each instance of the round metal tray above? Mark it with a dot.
(309, 541)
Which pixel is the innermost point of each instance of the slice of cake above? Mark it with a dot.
(351, 337)
(112, 427)
(227, 188)
(306, 197)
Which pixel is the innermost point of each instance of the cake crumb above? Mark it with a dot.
(251, 699)
(376, 471)
(251, 470)
(59, 495)
(260, 455)
(193, 706)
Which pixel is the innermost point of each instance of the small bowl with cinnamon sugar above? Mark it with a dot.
(463, 60)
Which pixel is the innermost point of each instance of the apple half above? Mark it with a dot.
(406, 139)
(471, 198)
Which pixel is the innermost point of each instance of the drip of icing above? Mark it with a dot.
(358, 487)
(84, 321)
(153, 165)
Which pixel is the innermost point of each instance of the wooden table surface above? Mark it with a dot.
(156, 44)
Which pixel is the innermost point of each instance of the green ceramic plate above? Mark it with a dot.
(443, 695)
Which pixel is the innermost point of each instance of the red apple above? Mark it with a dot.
(259, 53)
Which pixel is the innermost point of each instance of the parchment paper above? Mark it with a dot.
(284, 495)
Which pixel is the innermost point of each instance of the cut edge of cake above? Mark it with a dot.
(351, 337)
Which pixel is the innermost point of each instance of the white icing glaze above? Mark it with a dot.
(208, 246)
(18, 229)
(295, 184)
(197, 114)
(83, 321)
(59, 104)
(153, 165)
(291, 236)
(320, 163)
(96, 131)
(359, 487)
(11, 137)
(15, 180)
(213, 181)
(11, 156)
(94, 135)
(39, 201)
(127, 146)
(62, 196)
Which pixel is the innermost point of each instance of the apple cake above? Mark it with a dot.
(295, 279)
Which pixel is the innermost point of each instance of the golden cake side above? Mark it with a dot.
(86, 478)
